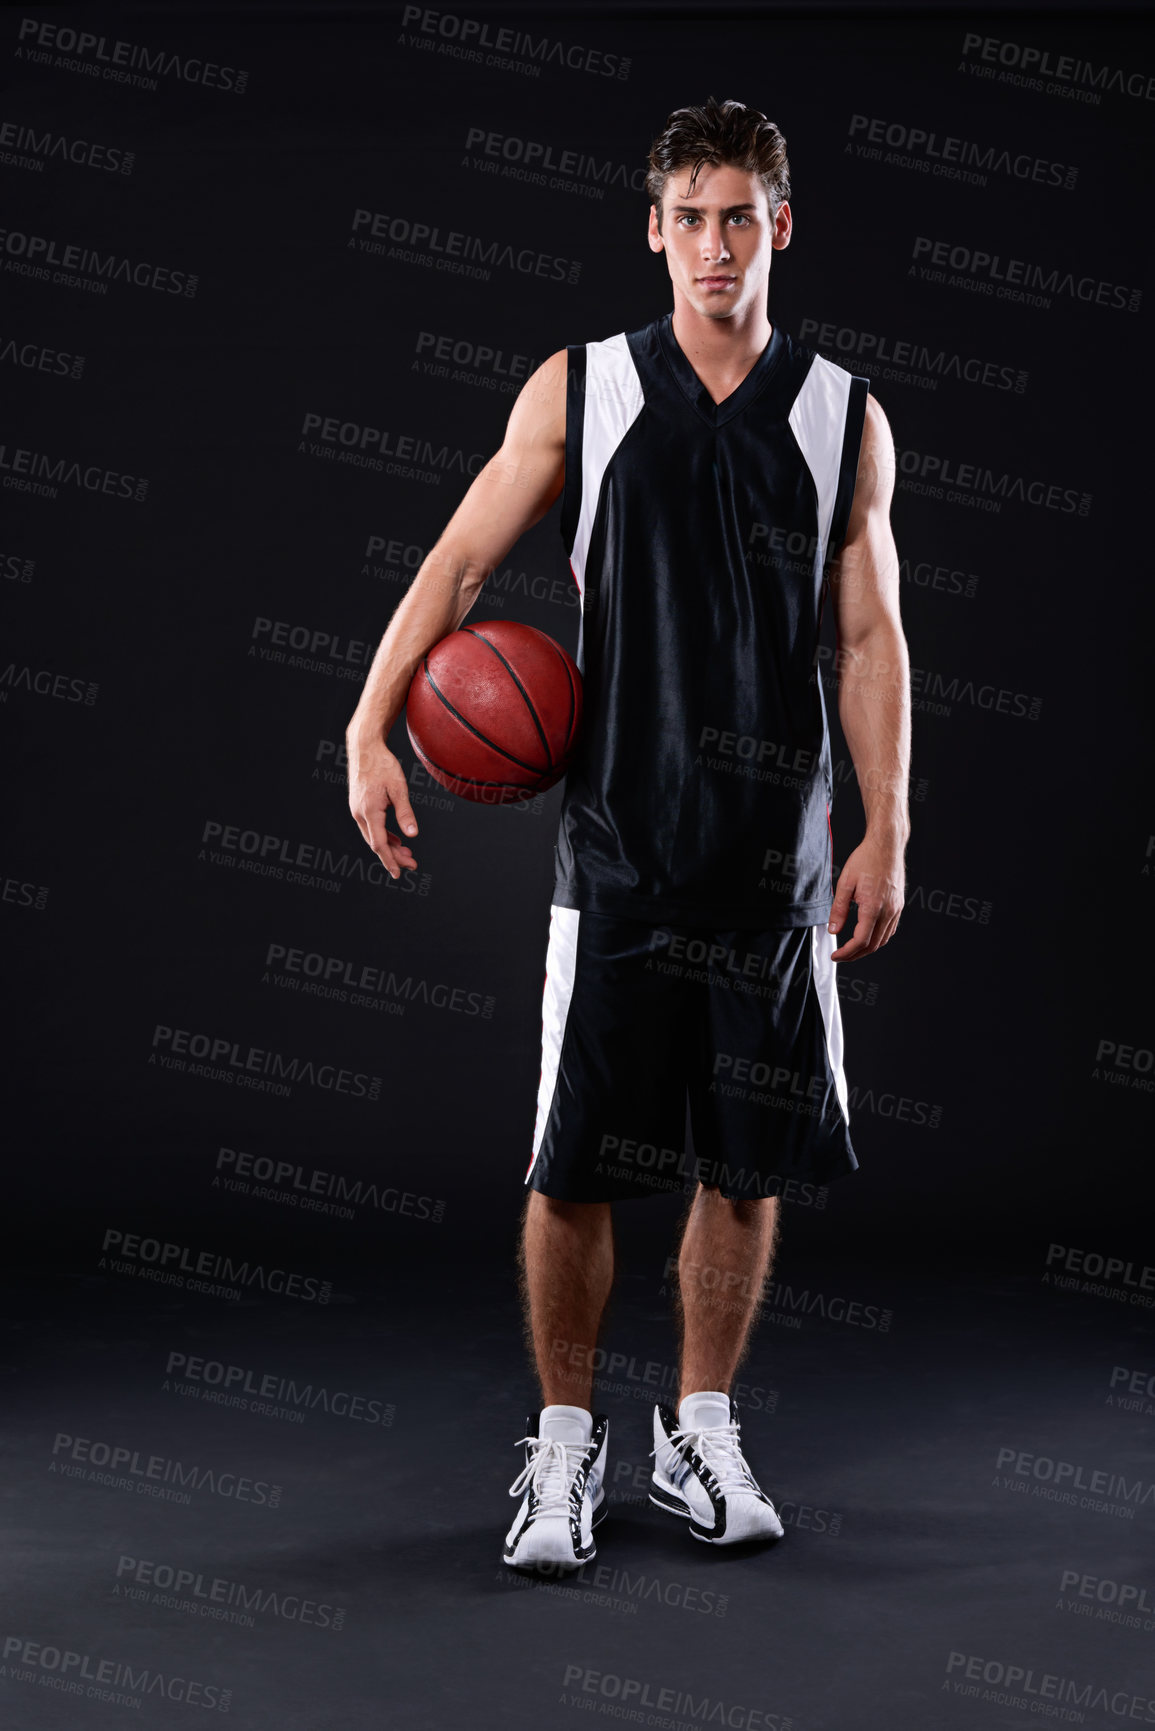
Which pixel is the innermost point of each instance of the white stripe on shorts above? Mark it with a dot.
(560, 960)
(822, 943)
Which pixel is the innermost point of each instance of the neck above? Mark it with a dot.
(719, 341)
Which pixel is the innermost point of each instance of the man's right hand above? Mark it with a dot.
(376, 782)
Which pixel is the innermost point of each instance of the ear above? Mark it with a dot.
(653, 235)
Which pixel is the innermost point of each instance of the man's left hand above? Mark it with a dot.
(873, 878)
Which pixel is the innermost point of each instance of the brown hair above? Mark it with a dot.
(715, 133)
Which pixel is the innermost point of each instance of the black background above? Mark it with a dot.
(999, 1051)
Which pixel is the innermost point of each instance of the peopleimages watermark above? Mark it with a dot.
(1095, 1488)
(24, 146)
(462, 361)
(160, 1259)
(618, 1589)
(16, 892)
(172, 1586)
(946, 157)
(729, 1290)
(46, 682)
(1027, 66)
(349, 981)
(1090, 1271)
(160, 1476)
(932, 690)
(32, 255)
(503, 47)
(644, 1378)
(303, 863)
(317, 648)
(712, 955)
(906, 357)
(40, 358)
(1108, 1601)
(316, 1190)
(1139, 1386)
(1125, 1066)
(1014, 279)
(221, 1059)
(368, 447)
(122, 62)
(249, 1390)
(17, 568)
(120, 1682)
(36, 472)
(630, 1488)
(533, 161)
(615, 1696)
(937, 477)
(399, 238)
(402, 560)
(1011, 1685)
(676, 1170)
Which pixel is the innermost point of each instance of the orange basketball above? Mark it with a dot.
(493, 711)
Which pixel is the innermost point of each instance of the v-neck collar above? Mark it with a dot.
(695, 391)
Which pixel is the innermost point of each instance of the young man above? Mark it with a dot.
(716, 479)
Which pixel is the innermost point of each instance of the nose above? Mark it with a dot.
(714, 248)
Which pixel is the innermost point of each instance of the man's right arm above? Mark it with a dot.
(511, 493)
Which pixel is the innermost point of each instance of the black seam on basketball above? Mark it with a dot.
(474, 632)
(474, 780)
(501, 751)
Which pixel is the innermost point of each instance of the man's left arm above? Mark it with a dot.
(873, 697)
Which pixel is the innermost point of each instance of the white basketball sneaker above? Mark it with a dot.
(700, 1473)
(563, 1481)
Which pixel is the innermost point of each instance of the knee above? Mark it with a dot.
(577, 1217)
(746, 1210)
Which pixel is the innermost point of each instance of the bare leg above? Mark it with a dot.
(567, 1269)
(726, 1254)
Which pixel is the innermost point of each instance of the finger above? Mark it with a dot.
(381, 842)
(858, 944)
(398, 790)
(401, 850)
(840, 907)
(891, 928)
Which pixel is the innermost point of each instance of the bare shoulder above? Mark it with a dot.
(876, 433)
(539, 408)
(876, 462)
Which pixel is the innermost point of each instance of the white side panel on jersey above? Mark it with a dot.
(822, 943)
(818, 422)
(560, 962)
(614, 400)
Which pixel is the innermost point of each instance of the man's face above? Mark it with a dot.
(718, 239)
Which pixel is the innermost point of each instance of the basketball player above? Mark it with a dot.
(717, 479)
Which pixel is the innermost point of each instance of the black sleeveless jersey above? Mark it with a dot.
(699, 536)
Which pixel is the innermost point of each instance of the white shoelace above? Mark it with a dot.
(550, 1470)
(718, 1445)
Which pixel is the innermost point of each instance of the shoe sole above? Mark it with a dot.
(673, 1505)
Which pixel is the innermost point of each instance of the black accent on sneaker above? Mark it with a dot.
(531, 1430)
(702, 1473)
(672, 1504)
(577, 1489)
(762, 1497)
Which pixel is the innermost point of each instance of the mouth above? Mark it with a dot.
(719, 282)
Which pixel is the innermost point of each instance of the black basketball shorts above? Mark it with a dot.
(644, 1026)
